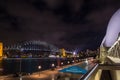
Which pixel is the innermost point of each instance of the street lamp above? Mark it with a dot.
(53, 65)
(58, 61)
(20, 73)
(74, 55)
(68, 62)
(61, 63)
(86, 61)
(73, 61)
(39, 67)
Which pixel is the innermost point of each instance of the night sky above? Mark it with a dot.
(68, 24)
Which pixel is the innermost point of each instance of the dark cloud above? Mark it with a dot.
(40, 4)
(77, 24)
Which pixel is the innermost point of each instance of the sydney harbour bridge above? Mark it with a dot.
(34, 48)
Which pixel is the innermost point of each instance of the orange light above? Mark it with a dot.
(1, 49)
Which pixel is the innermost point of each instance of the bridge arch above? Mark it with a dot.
(31, 48)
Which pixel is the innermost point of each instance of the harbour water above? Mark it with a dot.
(30, 65)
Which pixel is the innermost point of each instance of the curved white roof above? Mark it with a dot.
(113, 30)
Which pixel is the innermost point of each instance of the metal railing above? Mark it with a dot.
(90, 73)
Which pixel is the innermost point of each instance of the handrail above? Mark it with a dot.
(109, 66)
(89, 73)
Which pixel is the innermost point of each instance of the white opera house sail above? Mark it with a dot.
(110, 46)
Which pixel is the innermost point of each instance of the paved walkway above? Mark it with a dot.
(46, 75)
(52, 74)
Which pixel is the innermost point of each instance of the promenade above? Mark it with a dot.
(52, 74)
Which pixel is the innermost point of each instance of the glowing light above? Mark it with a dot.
(61, 63)
(68, 62)
(1, 49)
(39, 67)
(86, 61)
(74, 53)
(113, 30)
(53, 65)
(73, 61)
